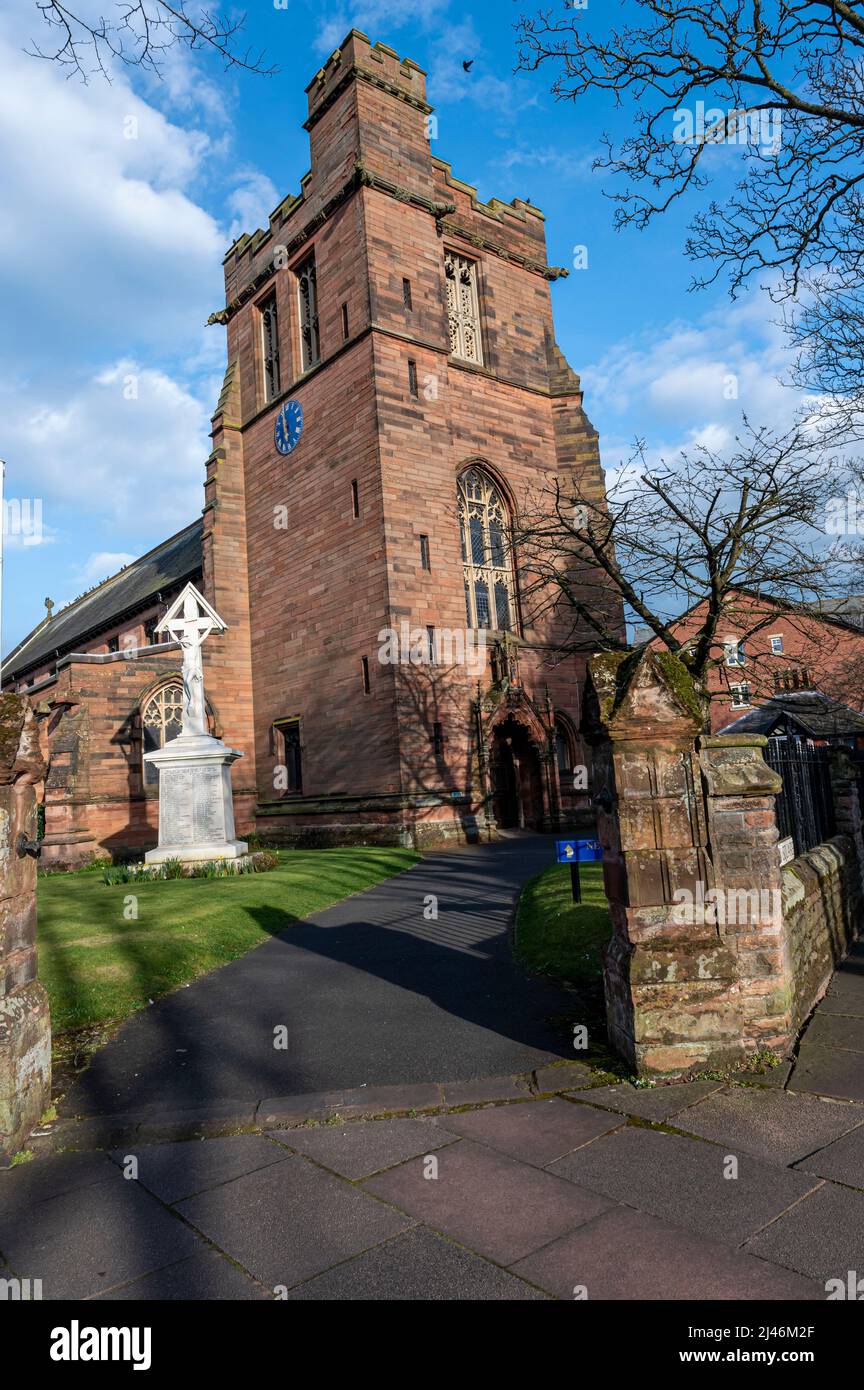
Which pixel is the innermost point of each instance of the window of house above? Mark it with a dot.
(734, 650)
(310, 346)
(344, 322)
(114, 643)
(289, 751)
(425, 561)
(463, 311)
(406, 294)
(740, 695)
(484, 523)
(431, 646)
(364, 671)
(776, 645)
(150, 634)
(161, 720)
(355, 498)
(437, 739)
(412, 377)
(270, 347)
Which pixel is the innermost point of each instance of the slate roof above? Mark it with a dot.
(817, 715)
(159, 571)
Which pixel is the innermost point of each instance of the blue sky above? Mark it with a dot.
(112, 246)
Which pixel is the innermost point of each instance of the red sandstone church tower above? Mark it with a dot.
(393, 335)
(393, 395)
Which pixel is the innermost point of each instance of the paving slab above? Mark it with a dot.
(491, 1203)
(682, 1181)
(828, 1071)
(648, 1102)
(174, 1171)
(624, 1254)
(419, 1266)
(842, 1161)
(51, 1175)
(836, 1030)
(537, 1132)
(823, 1236)
(564, 1076)
(773, 1125)
(845, 994)
(365, 1147)
(93, 1238)
(291, 1220)
(201, 1277)
(481, 1090)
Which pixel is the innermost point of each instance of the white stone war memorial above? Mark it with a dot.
(196, 806)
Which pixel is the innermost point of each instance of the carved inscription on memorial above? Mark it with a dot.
(191, 805)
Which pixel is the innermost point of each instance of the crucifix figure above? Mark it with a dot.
(190, 620)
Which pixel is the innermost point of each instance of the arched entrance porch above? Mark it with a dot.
(518, 777)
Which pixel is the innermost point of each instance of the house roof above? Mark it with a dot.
(135, 587)
(816, 714)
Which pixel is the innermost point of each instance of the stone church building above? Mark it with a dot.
(393, 390)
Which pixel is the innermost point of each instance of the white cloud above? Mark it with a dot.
(251, 202)
(101, 565)
(377, 18)
(99, 228)
(128, 445)
(689, 382)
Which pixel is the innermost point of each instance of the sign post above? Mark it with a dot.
(574, 853)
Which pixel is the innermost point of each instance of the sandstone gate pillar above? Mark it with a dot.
(695, 974)
(25, 1028)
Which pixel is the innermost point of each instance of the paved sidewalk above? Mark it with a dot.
(611, 1193)
(830, 1060)
(370, 991)
(543, 1183)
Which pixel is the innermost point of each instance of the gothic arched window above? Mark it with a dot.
(484, 522)
(161, 720)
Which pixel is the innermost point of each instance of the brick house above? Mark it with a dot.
(764, 648)
(393, 389)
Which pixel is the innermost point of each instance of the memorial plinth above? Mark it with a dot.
(196, 807)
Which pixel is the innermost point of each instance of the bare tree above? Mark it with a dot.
(139, 34)
(782, 80)
(686, 544)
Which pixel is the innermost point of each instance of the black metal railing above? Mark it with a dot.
(805, 806)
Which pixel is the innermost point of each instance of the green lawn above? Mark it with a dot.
(99, 966)
(554, 935)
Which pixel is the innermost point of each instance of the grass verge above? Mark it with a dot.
(557, 937)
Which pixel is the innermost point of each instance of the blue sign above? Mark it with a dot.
(288, 427)
(579, 851)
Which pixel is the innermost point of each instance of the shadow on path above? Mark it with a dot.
(370, 991)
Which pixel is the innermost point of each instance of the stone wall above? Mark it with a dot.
(822, 908)
(25, 1030)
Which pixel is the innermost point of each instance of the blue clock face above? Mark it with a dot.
(289, 427)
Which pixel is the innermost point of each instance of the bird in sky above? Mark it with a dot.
(467, 64)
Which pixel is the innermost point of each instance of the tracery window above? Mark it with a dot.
(307, 290)
(270, 345)
(484, 522)
(161, 720)
(463, 311)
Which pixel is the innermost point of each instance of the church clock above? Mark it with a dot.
(288, 427)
